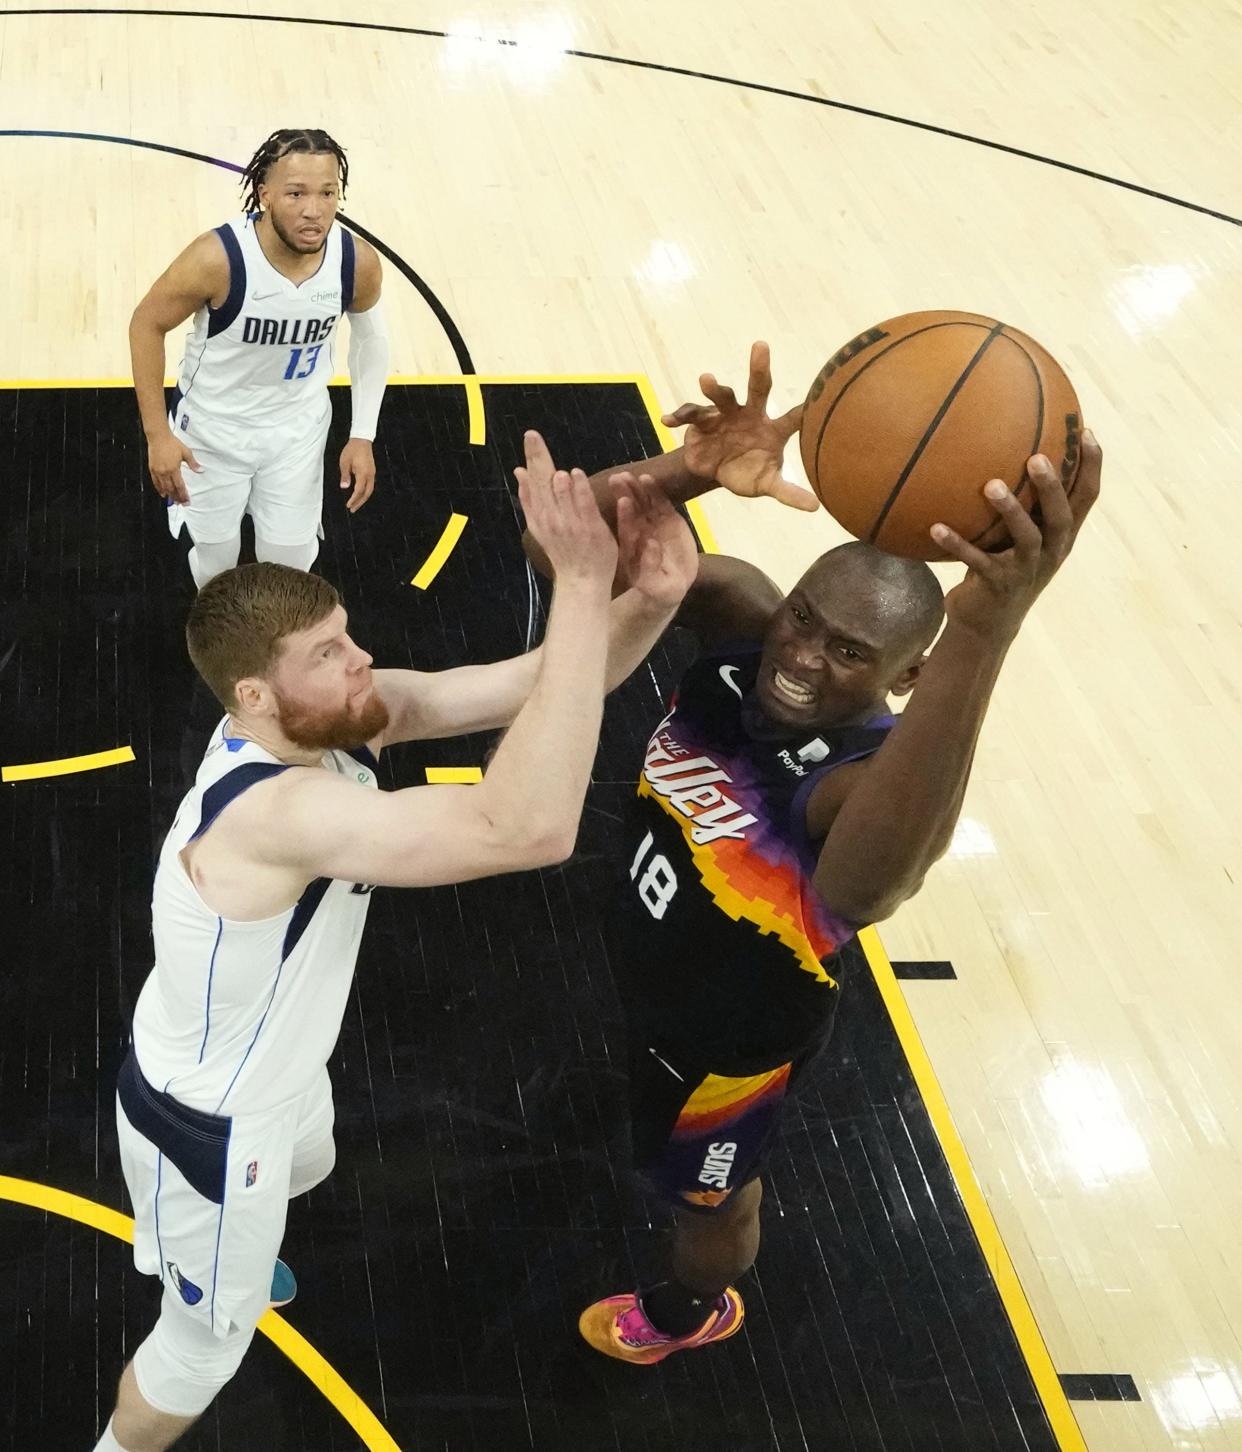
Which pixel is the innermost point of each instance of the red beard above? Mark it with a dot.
(340, 730)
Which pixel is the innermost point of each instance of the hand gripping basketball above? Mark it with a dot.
(1001, 587)
(737, 444)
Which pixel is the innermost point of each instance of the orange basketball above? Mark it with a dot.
(906, 424)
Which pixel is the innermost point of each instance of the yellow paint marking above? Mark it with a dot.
(1018, 1308)
(67, 765)
(445, 775)
(277, 1330)
(434, 562)
(475, 410)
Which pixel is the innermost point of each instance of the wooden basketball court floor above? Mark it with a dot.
(1007, 1213)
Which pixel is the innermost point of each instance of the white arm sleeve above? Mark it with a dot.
(368, 369)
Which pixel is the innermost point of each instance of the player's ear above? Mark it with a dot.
(253, 695)
(907, 680)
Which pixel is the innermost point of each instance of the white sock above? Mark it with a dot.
(108, 1442)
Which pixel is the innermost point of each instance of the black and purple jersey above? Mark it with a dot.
(723, 948)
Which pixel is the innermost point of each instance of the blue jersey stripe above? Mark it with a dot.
(211, 973)
(348, 263)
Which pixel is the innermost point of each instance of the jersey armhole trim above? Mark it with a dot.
(226, 314)
(349, 261)
(230, 787)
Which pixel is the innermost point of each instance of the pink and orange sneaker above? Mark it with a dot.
(617, 1327)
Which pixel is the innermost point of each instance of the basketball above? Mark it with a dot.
(906, 423)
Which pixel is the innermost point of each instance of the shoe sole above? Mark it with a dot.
(610, 1346)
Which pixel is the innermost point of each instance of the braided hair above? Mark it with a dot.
(281, 143)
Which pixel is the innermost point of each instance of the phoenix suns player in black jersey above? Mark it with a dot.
(781, 807)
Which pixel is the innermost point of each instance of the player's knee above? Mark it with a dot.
(743, 1204)
(209, 560)
(182, 1365)
(297, 557)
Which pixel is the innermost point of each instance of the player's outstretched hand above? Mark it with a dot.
(562, 515)
(659, 558)
(358, 469)
(165, 457)
(737, 444)
(1000, 588)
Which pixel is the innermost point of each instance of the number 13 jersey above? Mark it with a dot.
(266, 353)
(723, 948)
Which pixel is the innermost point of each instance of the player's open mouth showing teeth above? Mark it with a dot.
(792, 690)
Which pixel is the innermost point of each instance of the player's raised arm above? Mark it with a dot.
(727, 445)
(525, 811)
(200, 275)
(658, 564)
(888, 820)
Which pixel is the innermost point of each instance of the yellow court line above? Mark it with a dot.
(67, 765)
(341, 380)
(1021, 1317)
(446, 775)
(1005, 1277)
(295, 1346)
(434, 562)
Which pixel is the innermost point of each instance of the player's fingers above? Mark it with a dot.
(759, 383)
(1023, 531)
(193, 462)
(538, 456)
(791, 494)
(1054, 508)
(720, 393)
(956, 548)
(701, 415)
(524, 491)
(1087, 486)
(789, 423)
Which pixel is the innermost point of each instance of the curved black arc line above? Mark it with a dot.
(620, 60)
(451, 330)
(464, 362)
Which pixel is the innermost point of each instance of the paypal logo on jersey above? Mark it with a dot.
(288, 331)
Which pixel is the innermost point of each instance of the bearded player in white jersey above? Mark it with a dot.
(224, 1106)
(250, 413)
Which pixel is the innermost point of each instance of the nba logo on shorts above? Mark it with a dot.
(252, 1173)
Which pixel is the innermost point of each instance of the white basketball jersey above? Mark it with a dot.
(267, 351)
(239, 1017)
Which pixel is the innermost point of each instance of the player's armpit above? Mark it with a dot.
(325, 826)
(730, 600)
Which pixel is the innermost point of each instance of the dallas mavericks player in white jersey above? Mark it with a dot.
(250, 412)
(224, 1107)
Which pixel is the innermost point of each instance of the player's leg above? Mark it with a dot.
(710, 1252)
(286, 498)
(700, 1141)
(210, 1198)
(218, 498)
(131, 1413)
